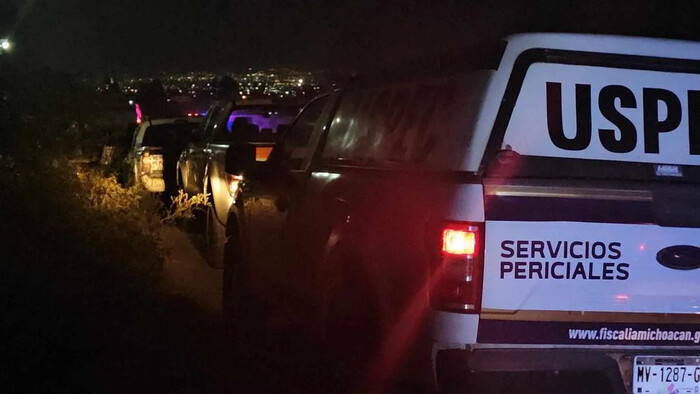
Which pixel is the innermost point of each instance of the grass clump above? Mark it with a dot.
(185, 208)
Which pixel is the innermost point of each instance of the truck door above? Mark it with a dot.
(271, 206)
(197, 152)
(217, 143)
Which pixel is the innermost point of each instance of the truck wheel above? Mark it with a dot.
(215, 239)
(244, 318)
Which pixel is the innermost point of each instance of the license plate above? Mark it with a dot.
(156, 163)
(666, 374)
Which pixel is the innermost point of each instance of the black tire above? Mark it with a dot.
(215, 240)
(245, 318)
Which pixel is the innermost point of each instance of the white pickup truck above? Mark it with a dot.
(155, 148)
(539, 213)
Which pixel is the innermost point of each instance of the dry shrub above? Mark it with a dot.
(183, 207)
(82, 304)
(122, 206)
(75, 215)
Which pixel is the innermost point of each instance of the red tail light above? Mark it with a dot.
(458, 269)
(458, 241)
(262, 153)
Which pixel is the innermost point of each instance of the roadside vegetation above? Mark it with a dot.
(83, 306)
(184, 208)
(82, 303)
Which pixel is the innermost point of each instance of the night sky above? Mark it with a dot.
(98, 37)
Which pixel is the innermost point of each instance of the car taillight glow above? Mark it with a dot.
(458, 268)
(262, 153)
(458, 241)
(139, 114)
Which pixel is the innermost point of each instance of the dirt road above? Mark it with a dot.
(186, 272)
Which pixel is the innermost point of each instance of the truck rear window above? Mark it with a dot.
(258, 125)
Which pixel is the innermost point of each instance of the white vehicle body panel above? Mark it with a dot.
(527, 130)
(614, 268)
(626, 288)
(575, 42)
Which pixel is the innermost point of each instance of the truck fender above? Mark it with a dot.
(341, 262)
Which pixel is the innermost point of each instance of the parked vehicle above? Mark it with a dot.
(200, 166)
(154, 149)
(541, 215)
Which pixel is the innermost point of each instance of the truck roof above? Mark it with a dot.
(628, 45)
(159, 121)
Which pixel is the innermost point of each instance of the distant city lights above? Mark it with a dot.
(203, 85)
(5, 45)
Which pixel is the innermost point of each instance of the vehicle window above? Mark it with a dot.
(169, 135)
(214, 118)
(135, 137)
(297, 138)
(257, 124)
(427, 124)
(211, 113)
(216, 127)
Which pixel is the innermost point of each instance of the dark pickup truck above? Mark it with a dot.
(200, 168)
